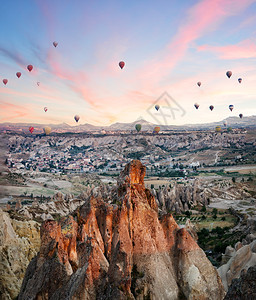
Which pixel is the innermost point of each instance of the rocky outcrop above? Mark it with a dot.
(120, 250)
(19, 243)
(237, 260)
(243, 288)
(60, 205)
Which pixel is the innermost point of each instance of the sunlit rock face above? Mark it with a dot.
(120, 251)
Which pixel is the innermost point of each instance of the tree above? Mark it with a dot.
(233, 179)
(187, 213)
(203, 209)
(214, 211)
(152, 186)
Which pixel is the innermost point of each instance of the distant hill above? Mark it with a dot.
(234, 122)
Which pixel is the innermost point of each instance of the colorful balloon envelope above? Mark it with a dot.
(30, 68)
(138, 127)
(218, 129)
(240, 116)
(156, 129)
(231, 107)
(121, 64)
(239, 80)
(18, 74)
(225, 123)
(31, 129)
(45, 109)
(5, 81)
(76, 117)
(47, 130)
(196, 105)
(211, 107)
(229, 129)
(199, 83)
(157, 107)
(229, 74)
(55, 44)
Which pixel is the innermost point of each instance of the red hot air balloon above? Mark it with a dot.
(31, 129)
(55, 44)
(121, 64)
(199, 83)
(18, 74)
(30, 68)
(229, 74)
(239, 80)
(45, 109)
(211, 107)
(5, 81)
(240, 116)
(196, 105)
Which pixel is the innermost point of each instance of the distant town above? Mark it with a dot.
(177, 154)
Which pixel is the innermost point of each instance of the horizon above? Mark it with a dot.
(128, 123)
(167, 48)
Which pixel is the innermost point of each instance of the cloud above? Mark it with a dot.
(13, 111)
(244, 49)
(202, 18)
(14, 56)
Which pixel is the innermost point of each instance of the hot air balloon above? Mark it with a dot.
(30, 68)
(240, 116)
(121, 64)
(196, 105)
(38, 83)
(138, 127)
(239, 80)
(218, 129)
(157, 107)
(229, 74)
(55, 44)
(225, 123)
(5, 81)
(31, 129)
(231, 107)
(199, 83)
(45, 109)
(76, 117)
(156, 129)
(211, 107)
(18, 74)
(47, 130)
(229, 129)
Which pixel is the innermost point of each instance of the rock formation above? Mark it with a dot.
(60, 205)
(120, 251)
(19, 243)
(237, 260)
(243, 288)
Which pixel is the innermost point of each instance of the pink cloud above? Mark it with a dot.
(244, 49)
(12, 111)
(202, 18)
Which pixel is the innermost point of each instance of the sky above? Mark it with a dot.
(167, 46)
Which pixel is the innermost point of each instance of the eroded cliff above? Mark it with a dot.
(120, 251)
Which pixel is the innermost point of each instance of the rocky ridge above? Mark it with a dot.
(120, 251)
